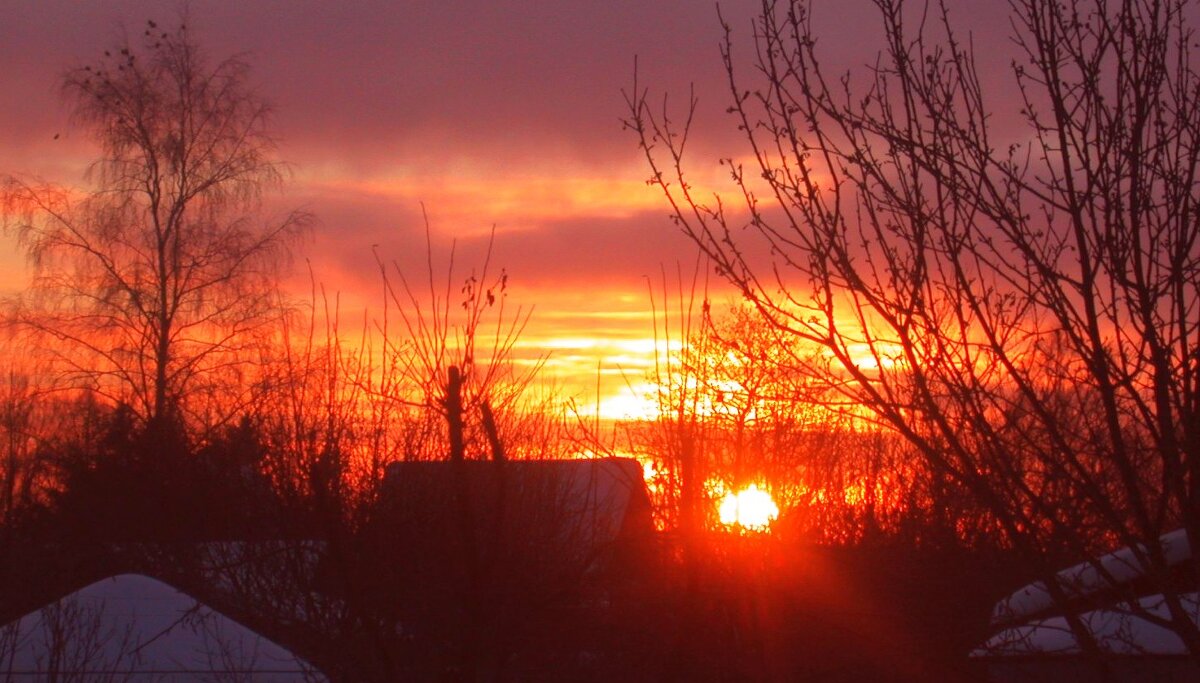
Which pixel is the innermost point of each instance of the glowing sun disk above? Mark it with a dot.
(751, 508)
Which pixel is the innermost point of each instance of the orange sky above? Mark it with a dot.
(501, 114)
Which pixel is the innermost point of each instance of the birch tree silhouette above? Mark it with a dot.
(154, 278)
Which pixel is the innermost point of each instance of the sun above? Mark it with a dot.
(751, 508)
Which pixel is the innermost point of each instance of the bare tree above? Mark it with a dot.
(1023, 308)
(156, 276)
(458, 365)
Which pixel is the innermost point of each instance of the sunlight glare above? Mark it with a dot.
(751, 508)
(629, 403)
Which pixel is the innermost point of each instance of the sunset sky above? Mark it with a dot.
(490, 113)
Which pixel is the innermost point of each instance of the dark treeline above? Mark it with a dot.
(291, 537)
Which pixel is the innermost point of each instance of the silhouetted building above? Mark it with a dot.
(134, 628)
(1035, 642)
(514, 565)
